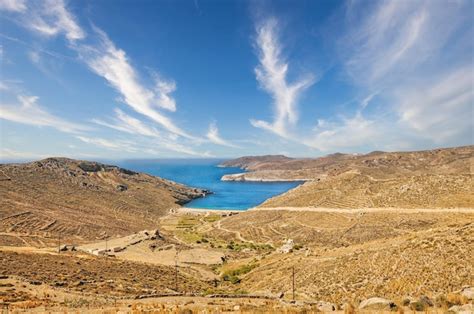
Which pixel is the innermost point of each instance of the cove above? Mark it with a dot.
(204, 173)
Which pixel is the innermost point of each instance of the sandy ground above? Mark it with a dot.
(208, 211)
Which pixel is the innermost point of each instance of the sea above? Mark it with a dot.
(205, 174)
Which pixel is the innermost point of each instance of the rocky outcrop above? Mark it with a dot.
(468, 293)
(462, 309)
(377, 304)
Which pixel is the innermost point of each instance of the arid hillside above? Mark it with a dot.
(425, 179)
(342, 255)
(85, 200)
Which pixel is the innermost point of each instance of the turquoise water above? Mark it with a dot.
(205, 174)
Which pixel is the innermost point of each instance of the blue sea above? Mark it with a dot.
(204, 173)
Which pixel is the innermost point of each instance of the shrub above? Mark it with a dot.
(233, 274)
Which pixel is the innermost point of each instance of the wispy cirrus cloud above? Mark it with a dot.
(28, 111)
(439, 109)
(126, 123)
(105, 59)
(214, 137)
(272, 75)
(410, 53)
(51, 18)
(13, 5)
(111, 63)
(109, 144)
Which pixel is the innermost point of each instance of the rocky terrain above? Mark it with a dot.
(380, 232)
(424, 179)
(81, 200)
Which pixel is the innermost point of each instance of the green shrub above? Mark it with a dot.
(232, 275)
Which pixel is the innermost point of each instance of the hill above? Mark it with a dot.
(431, 179)
(81, 199)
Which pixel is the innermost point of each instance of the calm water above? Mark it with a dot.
(205, 174)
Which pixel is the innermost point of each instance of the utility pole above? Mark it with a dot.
(176, 272)
(293, 282)
(106, 252)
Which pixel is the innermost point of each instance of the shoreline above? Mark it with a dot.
(240, 177)
(209, 210)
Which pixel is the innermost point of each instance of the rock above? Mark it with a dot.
(79, 283)
(462, 309)
(35, 282)
(6, 285)
(118, 249)
(377, 304)
(90, 166)
(121, 187)
(425, 300)
(324, 306)
(468, 293)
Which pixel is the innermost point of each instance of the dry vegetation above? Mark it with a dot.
(80, 200)
(440, 178)
(384, 225)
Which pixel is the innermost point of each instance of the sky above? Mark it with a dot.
(200, 79)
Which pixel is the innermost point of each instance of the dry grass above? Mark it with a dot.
(56, 196)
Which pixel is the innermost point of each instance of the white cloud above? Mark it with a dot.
(442, 109)
(6, 153)
(50, 18)
(129, 124)
(214, 137)
(272, 73)
(347, 133)
(164, 88)
(109, 144)
(177, 147)
(425, 87)
(13, 5)
(27, 111)
(391, 38)
(112, 63)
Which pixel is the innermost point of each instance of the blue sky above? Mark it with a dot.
(151, 79)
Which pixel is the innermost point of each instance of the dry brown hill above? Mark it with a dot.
(433, 179)
(83, 199)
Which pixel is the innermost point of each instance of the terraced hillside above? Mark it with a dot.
(440, 178)
(81, 200)
(341, 255)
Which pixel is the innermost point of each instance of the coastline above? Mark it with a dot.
(244, 177)
(209, 210)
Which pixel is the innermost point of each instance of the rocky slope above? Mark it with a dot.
(434, 178)
(81, 199)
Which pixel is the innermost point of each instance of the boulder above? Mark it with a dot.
(462, 309)
(468, 293)
(121, 187)
(377, 304)
(425, 300)
(324, 306)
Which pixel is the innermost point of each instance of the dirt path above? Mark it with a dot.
(237, 233)
(368, 210)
